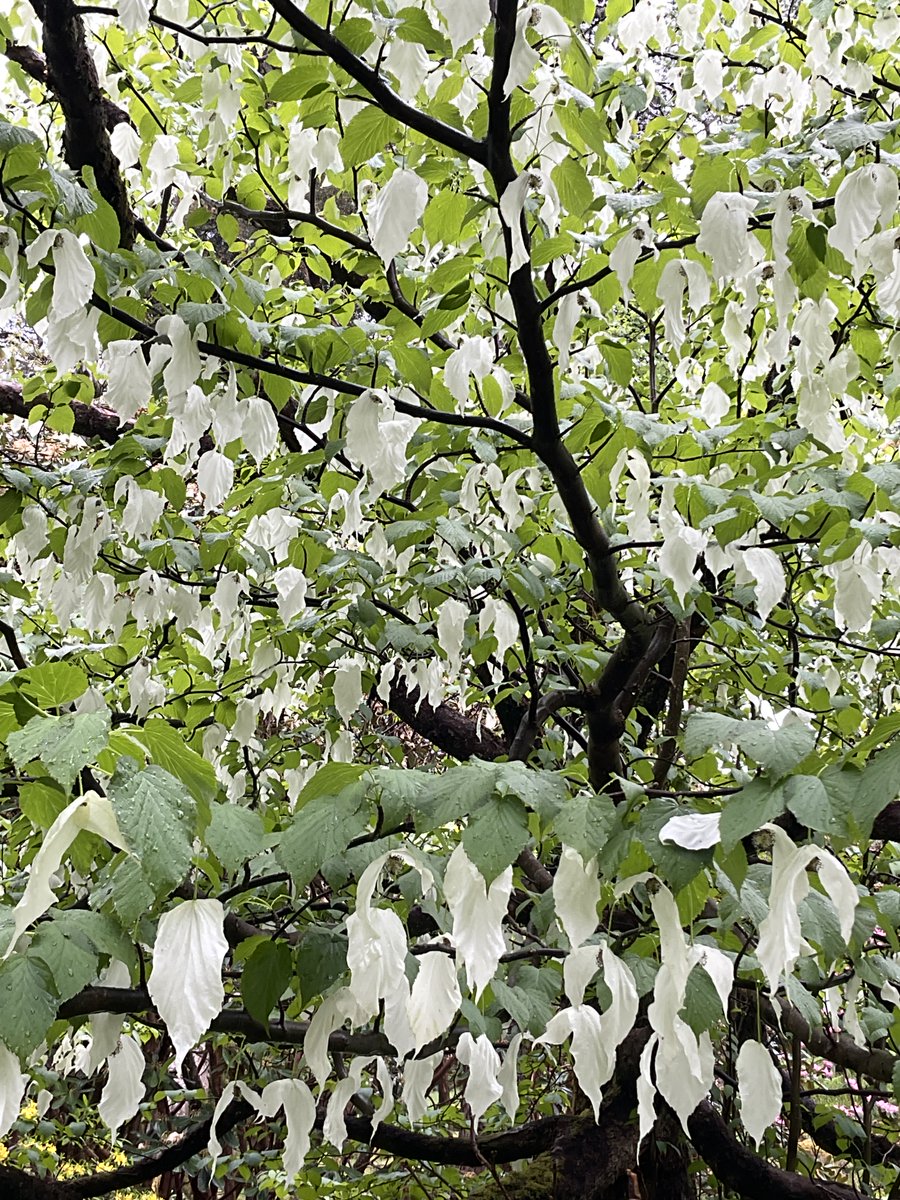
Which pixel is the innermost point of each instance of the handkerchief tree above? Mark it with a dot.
(450, 574)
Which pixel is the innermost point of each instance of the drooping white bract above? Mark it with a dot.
(334, 1128)
(678, 555)
(483, 1087)
(857, 588)
(692, 831)
(866, 198)
(106, 1027)
(229, 1091)
(215, 475)
(9, 266)
(512, 205)
(12, 1089)
(465, 19)
(396, 212)
(340, 1006)
(290, 587)
(678, 274)
(126, 144)
(89, 811)
(759, 1089)
(764, 566)
(347, 688)
(418, 1074)
(377, 437)
(124, 1090)
(779, 932)
(627, 250)
(434, 997)
(473, 358)
(73, 285)
(523, 58)
(714, 405)
(376, 957)
(296, 1099)
(134, 15)
(684, 1063)
(477, 913)
(564, 326)
(596, 1037)
(508, 1078)
(576, 894)
(185, 983)
(725, 236)
(451, 631)
(184, 364)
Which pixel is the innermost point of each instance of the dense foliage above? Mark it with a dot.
(451, 544)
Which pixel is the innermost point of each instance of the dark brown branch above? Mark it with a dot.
(747, 1173)
(446, 727)
(386, 99)
(73, 77)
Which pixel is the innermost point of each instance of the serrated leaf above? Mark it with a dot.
(322, 830)
(809, 801)
(530, 1001)
(168, 750)
(496, 835)
(235, 835)
(27, 1003)
(63, 744)
(68, 955)
(266, 974)
(156, 815)
(53, 683)
(321, 959)
(748, 810)
(367, 134)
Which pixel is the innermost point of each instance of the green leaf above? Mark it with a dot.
(321, 959)
(104, 934)
(775, 750)
(369, 133)
(321, 830)
(53, 683)
(858, 796)
(156, 816)
(128, 891)
(496, 835)
(809, 801)
(69, 956)
(748, 810)
(27, 1003)
(329, 780)
(235, 835)
(530, 1000)
(266, 974)
(63, 744)
(584, 821)
(168, 750)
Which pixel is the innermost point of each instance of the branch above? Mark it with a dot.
(142, 1170)
(386, 99)
(446, 727)
(835, 1048)
(746, 1172)
(73, 77)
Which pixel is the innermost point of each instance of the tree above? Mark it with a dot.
(451, 593)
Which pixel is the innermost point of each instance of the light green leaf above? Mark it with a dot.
(748, 810)
(53, 683)
(321, 830)
(584, 821)
(156, 815)
(63, 744)
(27, 1003)
(168, 750)
(496, 835)
(235, 834)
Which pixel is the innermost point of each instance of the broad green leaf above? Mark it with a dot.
(156, 815)
(53, 683)
(531, 999)
(235, 835)
(583, 822)
(169, 751)
(321, 959)
(367, 134)
(321, 830)
(63, 744)
(749, 809)
(68, 954)
(266, 974)
(27, 1003)
(495, 836)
